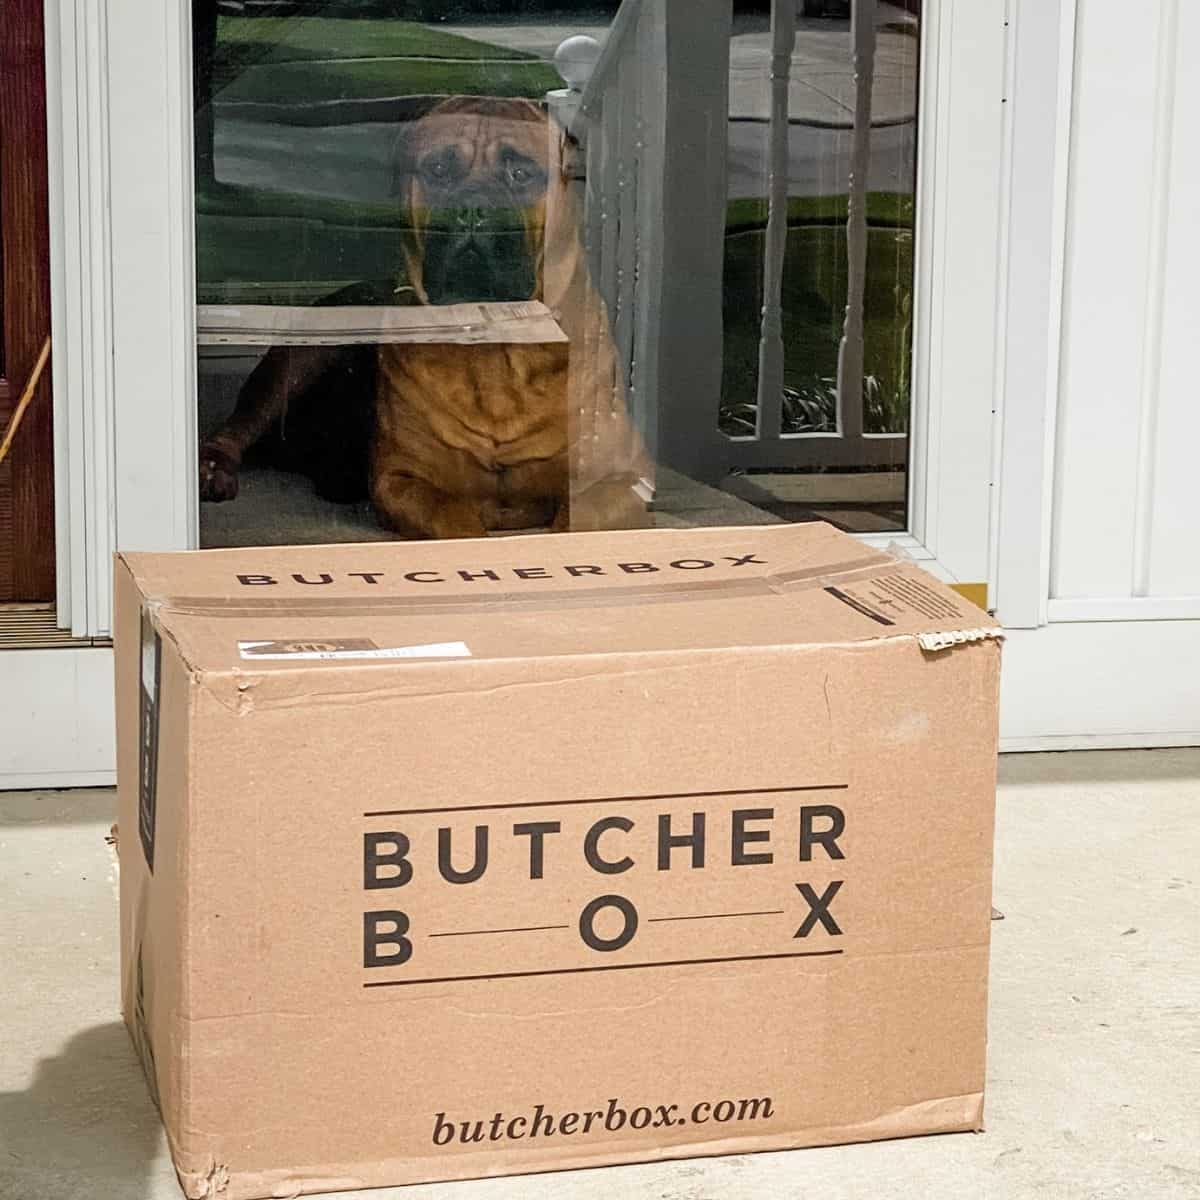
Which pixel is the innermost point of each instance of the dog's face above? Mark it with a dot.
(473, 175)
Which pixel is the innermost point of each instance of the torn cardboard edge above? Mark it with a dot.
(947, 639)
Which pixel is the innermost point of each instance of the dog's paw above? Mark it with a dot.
(218, 475)
(458, 519)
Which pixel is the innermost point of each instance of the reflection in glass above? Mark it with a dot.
(441, 294)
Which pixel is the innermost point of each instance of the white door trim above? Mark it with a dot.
(962, 207)
(153, 273)
(961, 204)
(118, 76)
(1041, 113)
(77, 130)
(1127, 608)
(118, 92)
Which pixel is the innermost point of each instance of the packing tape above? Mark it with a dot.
(781, 583)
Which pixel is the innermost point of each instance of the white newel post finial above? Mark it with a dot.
(575, 60)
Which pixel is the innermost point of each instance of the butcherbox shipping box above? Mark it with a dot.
(445, 860)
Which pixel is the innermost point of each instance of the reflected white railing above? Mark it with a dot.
(600, 119)
(770, 347)
(850, 355)
(648, 116)
(848, 445)
(649, 110)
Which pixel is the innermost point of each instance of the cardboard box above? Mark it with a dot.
(473, 858)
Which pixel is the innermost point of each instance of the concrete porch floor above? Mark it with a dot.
(1094, 1080)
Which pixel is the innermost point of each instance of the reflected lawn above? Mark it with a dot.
(298, 60)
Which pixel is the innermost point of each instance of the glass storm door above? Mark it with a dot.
(712, 209)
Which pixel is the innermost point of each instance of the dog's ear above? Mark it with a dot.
(535, 111)
(406, 191)
(403, 161)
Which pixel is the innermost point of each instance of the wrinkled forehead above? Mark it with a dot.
(482, 137)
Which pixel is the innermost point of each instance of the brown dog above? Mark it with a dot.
(466, 439)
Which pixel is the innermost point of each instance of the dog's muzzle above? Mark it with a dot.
(479, 251)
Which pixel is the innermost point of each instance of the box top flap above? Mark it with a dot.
(525, 321)
(542, 596)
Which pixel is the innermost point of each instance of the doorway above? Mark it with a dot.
(133, 394)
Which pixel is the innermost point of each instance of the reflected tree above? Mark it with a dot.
(204, 53)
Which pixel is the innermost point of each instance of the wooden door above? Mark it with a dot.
(27, 474)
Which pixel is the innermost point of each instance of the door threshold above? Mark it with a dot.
(35, 627)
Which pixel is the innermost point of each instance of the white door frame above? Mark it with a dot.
(124, 323)
(122, 269)
(1043, 55)
(962, 206)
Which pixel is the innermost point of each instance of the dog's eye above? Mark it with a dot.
(520, 172)
(440, 168)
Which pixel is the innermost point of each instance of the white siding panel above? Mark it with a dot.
(1174, 535)
(1110, 223)
(1123, 683)
(61, 734)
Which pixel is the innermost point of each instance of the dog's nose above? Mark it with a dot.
(471, 219)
